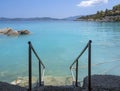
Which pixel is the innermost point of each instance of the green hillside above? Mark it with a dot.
(107, 15)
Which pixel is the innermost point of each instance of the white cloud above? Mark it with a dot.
(88, 3)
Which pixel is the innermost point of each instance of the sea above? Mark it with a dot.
(58, 43)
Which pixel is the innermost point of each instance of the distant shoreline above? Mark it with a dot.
(28, 19)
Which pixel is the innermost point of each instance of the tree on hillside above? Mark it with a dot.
(106, 12)
(117, 7)
(112, 15)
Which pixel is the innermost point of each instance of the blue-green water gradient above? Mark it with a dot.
(58, 43)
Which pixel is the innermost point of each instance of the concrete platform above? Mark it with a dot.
(58, 88)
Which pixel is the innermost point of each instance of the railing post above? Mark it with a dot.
(89, 65)
(30, 66)
(39, 73)
(76, 83)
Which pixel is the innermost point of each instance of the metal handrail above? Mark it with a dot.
(88, 46)
(79, 55)
(31, 49)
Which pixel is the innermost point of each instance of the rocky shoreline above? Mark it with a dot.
(12, 32)
(98, 83)
(104, 19)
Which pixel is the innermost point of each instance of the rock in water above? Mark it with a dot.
(11, 32)
(23, 32)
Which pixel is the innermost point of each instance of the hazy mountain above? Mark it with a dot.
(38, 18)
(29, 19)
(72, 17)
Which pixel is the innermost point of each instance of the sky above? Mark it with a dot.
(52, 8)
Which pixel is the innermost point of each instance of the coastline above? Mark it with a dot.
(108, 19)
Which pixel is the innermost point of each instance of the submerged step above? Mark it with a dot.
(57, 81)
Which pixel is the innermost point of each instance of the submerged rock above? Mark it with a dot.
(48, 80)
(57, 81)
(23, 81)
(12, 32)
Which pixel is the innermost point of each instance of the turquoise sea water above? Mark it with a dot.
(58, 43)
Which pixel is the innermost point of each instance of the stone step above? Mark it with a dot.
(58, 88)
(8, 87)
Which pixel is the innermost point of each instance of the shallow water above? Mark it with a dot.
(58, 43)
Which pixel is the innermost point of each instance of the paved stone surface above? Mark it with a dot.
(58, 88)
(8, 87)
(99, 83)
(103, 83)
